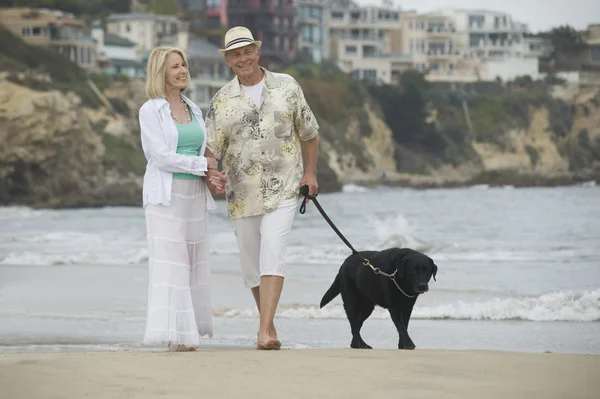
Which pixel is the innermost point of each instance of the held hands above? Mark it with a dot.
(216, 180)
(310, 179)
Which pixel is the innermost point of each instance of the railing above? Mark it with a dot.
(497, 28)
(443, 53)
(363, 37)
(397, 57)
(455, 75)
(441, 30)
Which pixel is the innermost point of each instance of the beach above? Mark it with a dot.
(514, 313)
(340, 373)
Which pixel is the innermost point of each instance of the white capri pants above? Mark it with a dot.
(262, 242)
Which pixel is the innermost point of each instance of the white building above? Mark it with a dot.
(117, 54)
(313, 30)
(535, 46)
(488, 34)
(432, 41)
(361, 41)
(148, 31)
(470, 45)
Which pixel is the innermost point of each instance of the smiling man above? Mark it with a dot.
(262, 129)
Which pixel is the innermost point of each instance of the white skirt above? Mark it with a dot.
(179, 307)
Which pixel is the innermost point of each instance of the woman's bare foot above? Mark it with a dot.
(182, 348)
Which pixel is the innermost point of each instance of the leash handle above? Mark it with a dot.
(304, 192)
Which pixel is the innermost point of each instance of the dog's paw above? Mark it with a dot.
(406, 343)
(359, 345)
(409, 347)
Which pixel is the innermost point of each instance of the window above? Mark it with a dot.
(369, 51)
(317, 37)
(437, 48)
(435, 27)
(595, 53)
(370, 74)
(475, 39)
(476, 21)
(316, 13)
(351, 50)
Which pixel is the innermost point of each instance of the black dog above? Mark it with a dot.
(362, 289)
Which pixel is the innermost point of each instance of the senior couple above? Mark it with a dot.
(261, 128)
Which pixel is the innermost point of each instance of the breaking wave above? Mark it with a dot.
(556, 306)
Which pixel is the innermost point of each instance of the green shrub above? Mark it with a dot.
(121, 156)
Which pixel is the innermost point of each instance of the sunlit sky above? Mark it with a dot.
(537, 14)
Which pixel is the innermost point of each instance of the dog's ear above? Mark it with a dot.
(435, 268)
(400, 267)
(401, 263)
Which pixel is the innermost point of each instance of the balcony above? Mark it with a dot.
(455, 75)
(245, 10)
(443, 54)
(260, 10)
(393, 57)
(517, 28)
(300, 19)
(280, 29)
(441, 32)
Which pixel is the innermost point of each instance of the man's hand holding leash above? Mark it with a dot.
(310, 180)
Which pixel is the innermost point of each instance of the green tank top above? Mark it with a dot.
(189, 141)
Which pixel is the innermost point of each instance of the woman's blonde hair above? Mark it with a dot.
(156, 70)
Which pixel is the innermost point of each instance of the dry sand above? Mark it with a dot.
(306, 374)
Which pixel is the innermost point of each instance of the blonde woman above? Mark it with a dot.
(176, 203)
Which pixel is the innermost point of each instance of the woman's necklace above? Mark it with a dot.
(187, 113)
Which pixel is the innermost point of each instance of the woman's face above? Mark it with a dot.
(176, 73)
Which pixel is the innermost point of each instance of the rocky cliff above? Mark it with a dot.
(521, 134)
(56, 152)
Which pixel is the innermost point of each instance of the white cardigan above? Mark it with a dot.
(159, 142)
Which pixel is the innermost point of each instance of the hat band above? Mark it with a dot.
(240, 40)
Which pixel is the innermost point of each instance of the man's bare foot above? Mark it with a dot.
(267, 343)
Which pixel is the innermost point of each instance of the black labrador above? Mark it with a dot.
(362, 289)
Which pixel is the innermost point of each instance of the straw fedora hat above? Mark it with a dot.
(238, 36)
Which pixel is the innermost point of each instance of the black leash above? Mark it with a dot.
(304, 192)
(365, 261)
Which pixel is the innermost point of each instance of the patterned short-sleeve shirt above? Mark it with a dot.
(260, 147)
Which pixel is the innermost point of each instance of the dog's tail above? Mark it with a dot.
(332, 292)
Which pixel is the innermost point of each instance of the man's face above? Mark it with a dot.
(244, 60)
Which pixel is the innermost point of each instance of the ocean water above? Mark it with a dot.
(519, 270)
